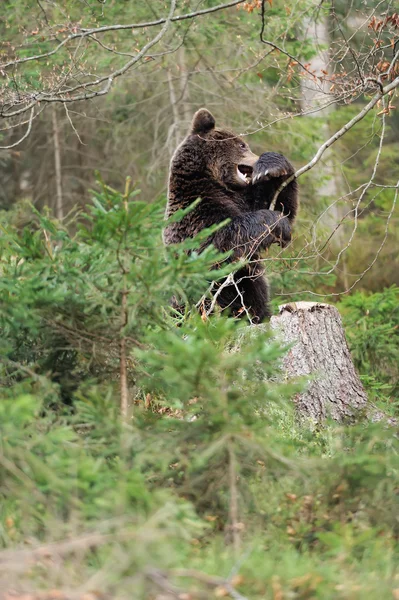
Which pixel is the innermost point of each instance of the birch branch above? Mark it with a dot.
(366, 109)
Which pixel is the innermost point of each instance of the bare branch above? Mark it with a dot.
(278, 48)
(178, 18)
(366, 109)
(25, 134)
(112, 76)
(72, 125)
(372, 263)
(90, 32)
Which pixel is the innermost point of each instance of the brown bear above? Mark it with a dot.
(218, 167)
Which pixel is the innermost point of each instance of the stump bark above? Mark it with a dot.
(320, 353)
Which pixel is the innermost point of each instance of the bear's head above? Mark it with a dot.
(225, 155)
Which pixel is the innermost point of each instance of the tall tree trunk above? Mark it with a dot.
(186, 111)
(179, 101)
(316, 93)
(320, 354)
(173, 132)
(59, 209)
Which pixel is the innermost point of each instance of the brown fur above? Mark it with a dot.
(205, 166)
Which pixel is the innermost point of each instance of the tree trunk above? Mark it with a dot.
(184, 91)
(179, 101)
(173, 132)
(123, 358)
(59, 209)
(315, 93)
(321, 355)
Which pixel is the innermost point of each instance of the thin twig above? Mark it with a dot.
(25, 134)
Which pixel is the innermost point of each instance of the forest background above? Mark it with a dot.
(209, 487)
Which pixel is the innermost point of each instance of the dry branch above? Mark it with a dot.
(366, 109)
(82, 33)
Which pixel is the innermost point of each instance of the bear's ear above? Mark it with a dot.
(203, 121)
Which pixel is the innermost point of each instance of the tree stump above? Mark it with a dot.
(320, 354)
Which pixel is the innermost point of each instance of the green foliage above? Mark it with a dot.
(221, 389)
(62, 295)
(371, 325)
(210, 485)
(210, 477)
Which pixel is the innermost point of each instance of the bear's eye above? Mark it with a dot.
(243, 146)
